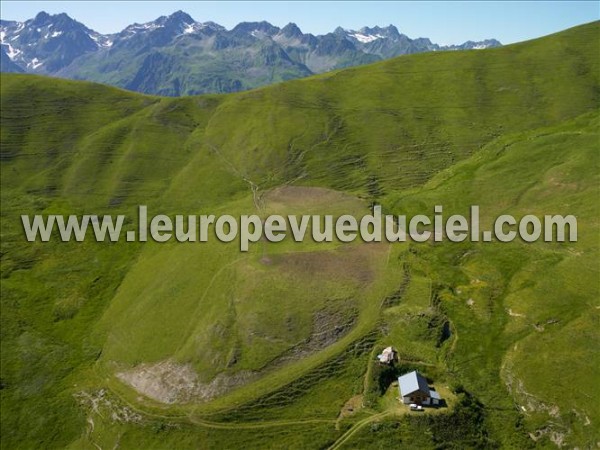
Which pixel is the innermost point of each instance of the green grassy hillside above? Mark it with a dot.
(198, 345)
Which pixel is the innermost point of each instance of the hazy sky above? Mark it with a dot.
(442, 22)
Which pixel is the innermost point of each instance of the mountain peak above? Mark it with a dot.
(254, 27)
(180, 16)
(291, 30)
(42, 15)
(41, 19)
(390, 32)
(61, 21)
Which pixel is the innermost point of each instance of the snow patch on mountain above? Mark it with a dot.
(136, 28)
(11, 51)
(366, 38)
(101, 40)
(34, 63)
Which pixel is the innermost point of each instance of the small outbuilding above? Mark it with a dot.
(414, 389)
(388, 356)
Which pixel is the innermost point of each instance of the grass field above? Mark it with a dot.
(197, 345)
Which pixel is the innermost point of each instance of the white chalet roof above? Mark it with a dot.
(412, 382)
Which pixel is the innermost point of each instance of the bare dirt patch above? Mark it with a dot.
(329, 326)
(349, 261)
(514, 314)
(351, 407)
(300, 195)
(101, 403)
(170, 382)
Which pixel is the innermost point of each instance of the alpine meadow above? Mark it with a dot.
(147, 345)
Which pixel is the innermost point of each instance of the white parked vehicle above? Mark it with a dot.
(415, 407)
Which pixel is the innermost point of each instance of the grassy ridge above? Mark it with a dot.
(509, 129)
(387, 126)
(511, 303)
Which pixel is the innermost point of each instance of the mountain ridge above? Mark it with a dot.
(175, 55)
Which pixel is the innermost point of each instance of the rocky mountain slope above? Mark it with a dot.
(177, 55)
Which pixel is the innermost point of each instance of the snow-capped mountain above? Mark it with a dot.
(470, 45)
(176, 55)
(165, 29)
(47, 43)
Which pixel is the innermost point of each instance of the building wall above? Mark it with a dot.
(416, 397)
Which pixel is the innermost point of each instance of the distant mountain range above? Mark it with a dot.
(176, 55)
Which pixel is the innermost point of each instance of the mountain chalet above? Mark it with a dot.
(414, 389)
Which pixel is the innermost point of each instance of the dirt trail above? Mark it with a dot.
(356, 427)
